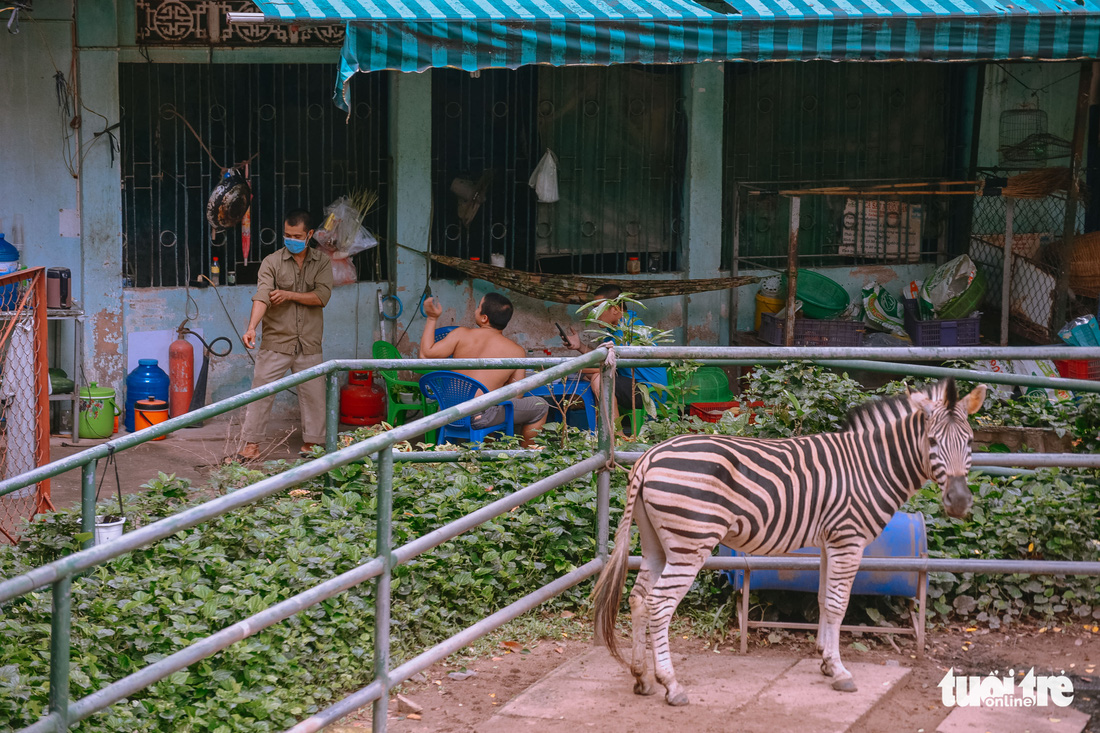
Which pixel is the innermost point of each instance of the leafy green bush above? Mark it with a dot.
(1052, 515)
(155, 601)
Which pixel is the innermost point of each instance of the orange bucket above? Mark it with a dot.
(150, 412)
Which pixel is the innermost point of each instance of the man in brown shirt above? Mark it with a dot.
(294, 285)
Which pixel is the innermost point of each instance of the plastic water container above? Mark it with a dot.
(9, 263)
(147, 380)
(904, 536)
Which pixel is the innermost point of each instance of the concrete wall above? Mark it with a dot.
(34, 183)
(35, 142)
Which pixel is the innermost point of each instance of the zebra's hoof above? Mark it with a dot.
(678, 700)
(644, 688)
(826, 669)
(847, 685)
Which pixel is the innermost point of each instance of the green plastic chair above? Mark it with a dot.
(396, 414)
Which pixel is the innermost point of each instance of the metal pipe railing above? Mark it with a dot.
(90, 455)
(877, 353)
(60, 573)
(916, 370)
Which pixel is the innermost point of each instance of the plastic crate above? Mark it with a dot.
(810, 332)
(1078, 368)
(944, 332)
(713, 411)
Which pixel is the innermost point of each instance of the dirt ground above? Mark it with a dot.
(190, 453)
(452, 705)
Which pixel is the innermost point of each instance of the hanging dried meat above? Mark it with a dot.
(229, 202)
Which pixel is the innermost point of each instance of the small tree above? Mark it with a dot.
(629, 331)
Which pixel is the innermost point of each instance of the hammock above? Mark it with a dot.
(577, 289)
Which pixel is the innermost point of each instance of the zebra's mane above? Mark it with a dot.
(877, 411)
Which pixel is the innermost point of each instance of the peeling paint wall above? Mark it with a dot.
(34, 182)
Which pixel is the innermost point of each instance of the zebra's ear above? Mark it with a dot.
(973, 401)
(922, 401)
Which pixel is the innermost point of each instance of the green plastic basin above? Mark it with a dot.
(821, 297)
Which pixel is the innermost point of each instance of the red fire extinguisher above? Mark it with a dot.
(181, 374)
(362, 402)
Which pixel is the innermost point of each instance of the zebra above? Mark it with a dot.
(763, 496)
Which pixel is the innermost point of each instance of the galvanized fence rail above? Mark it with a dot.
(60, 574)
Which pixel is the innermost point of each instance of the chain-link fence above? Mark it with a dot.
(1038, 225)
(24, 406)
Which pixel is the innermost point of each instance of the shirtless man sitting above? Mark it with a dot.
(487, 341)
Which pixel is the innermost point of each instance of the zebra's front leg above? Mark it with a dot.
(843, 563)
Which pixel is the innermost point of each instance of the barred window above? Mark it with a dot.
(850, 125)
(181, 123)
(618, 135)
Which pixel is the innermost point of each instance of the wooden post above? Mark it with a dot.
(1063, 252)
(792, 269)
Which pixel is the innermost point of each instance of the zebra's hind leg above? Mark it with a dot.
(843, 558)
(822, 584)
(653, 562)
(668, 590)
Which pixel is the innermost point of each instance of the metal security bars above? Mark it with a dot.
(60, 574)
(619, 138)
(183, 123)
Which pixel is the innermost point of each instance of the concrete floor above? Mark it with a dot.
(778, 695)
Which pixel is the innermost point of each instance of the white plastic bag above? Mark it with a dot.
(343, 269)
(544, 179)
(341, 229)
(949, 281)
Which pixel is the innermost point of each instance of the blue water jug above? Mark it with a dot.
(147, 380)
(9, 262)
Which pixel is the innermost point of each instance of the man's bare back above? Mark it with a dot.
(483, 343)
(486, 342)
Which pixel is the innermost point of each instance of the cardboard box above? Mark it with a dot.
(886, 230)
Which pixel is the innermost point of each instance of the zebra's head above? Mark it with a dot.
(948, 437)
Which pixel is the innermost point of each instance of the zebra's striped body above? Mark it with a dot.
(836, 491)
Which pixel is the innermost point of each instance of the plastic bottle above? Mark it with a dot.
(633, 265)
(216, 272)
(9, 263)
(147, 380)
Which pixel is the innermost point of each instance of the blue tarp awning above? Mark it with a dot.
(414, 35)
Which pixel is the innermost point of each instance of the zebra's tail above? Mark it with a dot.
(608, 593)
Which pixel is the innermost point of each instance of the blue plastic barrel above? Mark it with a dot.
(147, 380)
(9, 263)
(904, 536)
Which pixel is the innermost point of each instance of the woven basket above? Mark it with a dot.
(1084, 265)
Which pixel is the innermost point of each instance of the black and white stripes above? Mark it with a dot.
(836, 491)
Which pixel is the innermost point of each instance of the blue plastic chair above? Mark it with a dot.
(450, 389)
(441, 332)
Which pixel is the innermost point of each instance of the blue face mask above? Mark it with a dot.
(294, 245)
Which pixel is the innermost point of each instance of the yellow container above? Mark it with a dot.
(764, 304)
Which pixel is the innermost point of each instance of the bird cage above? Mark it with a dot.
(1023, 141)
